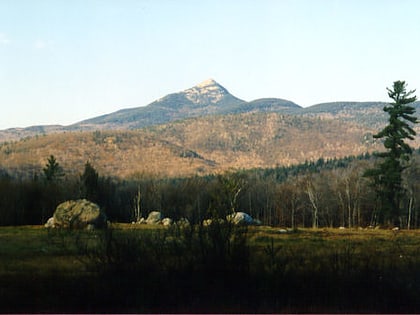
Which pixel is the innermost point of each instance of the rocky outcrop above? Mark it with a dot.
(78, 214)
(154, 217)
(242, 218)
(167, 222)
(207, 92)
(50, 223)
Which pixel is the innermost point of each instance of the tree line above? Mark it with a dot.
(319, 194)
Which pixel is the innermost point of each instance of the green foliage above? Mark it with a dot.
(89, 180)
(387, 176)
(275, 196)
(53, 170)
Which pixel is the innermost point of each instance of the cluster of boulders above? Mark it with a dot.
(237, 218)
(80, 214)
(242, 218)
(84, 214)
(156, 217)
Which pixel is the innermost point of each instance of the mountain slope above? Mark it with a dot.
(369, 114)
(263, 105)
(194, 146)
(206, 98)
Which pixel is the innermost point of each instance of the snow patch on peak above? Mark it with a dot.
(208, 91)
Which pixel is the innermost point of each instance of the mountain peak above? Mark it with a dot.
(208, 91)
(208, 82)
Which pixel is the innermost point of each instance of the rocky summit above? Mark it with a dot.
(207, 92)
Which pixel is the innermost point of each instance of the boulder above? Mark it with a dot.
(50, 223)
(167, 222)
(155, 217)
(257, 222)
(79, 214)
(207, 222)
(140, 221)
(240, 218)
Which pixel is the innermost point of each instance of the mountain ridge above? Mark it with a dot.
(198, 131)
(190, 147)
(203, 99)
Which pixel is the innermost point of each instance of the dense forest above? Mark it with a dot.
(325, 193)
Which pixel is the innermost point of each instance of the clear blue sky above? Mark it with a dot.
(64, 61)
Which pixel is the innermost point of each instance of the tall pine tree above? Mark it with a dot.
(387, 175)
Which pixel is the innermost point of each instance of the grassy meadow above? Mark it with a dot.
(138, 268)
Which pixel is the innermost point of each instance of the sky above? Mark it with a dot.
(64, 61)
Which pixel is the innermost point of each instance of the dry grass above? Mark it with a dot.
(28, 249)
(324, 270)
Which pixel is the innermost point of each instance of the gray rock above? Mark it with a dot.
(50, 223)
(155, 217)
(79, 214)
(240, 218)
(257, 222)
(140, 221)
(167, 222)
(207, 222)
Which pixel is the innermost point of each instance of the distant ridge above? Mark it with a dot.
(209, 98)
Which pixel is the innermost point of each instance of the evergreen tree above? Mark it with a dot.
(89, 180)
(387, 175)
(53, 170)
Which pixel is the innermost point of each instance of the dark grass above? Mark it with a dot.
(162, 271)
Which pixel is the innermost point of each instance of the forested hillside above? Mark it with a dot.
(195, 146)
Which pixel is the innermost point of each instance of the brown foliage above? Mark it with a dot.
(194, 146)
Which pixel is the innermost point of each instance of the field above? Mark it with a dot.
(132, 268)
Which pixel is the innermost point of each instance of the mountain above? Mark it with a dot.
(210, 98)
(263, 105)
(368, 114)
(194, 146)
(206, 98)
(201, 130)
(13, 134)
